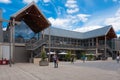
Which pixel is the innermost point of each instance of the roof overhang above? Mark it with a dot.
(33, 17)
(111, 33)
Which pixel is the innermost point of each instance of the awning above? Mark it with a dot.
(62, 53)
(52, 53)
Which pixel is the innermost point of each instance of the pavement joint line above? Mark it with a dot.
(29, 74)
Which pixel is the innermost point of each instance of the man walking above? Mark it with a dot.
(55, 60)
(118, 58)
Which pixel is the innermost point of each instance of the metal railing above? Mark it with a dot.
(73, 46)
(35, 45)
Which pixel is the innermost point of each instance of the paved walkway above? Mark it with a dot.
(91, 70)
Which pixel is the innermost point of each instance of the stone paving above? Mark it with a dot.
(90, 70)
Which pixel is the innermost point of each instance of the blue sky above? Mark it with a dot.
(76, 15)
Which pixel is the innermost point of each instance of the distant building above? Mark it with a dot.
(100, 42)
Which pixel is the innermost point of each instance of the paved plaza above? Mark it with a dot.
(90, 70)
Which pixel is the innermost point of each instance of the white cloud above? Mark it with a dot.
(118, 35)
(98, 22)
(115, 21)
(4, 29)
(29, 1)
(87, 28)
(46, 1)
(71, 11)
(71, 3)
(60, 22)
(69, 21)
(118, 12)
(5, 1)
(83, 17)
(72, 6)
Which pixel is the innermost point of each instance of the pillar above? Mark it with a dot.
(105, 48)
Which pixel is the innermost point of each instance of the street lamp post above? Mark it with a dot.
(11, 36)
(11, 41)
(49, 44)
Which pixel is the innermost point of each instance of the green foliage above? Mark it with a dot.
(43, 55)
(83, 55)
(68, 56)
(90, 57)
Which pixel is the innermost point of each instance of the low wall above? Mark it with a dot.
(36, 60)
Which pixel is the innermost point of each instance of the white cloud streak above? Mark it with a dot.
(82, 17)
(60, 22)
(71, 11)
(5, 1)
(87, 28)
(115, 21)
(72, 6)
(101, 22)
(4, 29)
(46, 1)
(29, 1)
(69, 21)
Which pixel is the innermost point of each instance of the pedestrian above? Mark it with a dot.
(72, 59)
(55, 60)
(118, 58)
(83, 58)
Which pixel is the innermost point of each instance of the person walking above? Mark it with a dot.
(72, 59)
(55, 60)
(118, 58)
(83, 58)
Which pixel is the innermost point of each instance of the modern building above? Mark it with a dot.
(98, 42)
(28, 32)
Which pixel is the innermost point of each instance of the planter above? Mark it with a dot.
(44, 63)
(36, 60)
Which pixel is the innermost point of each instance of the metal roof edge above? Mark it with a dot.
(110, 26)
(22, 9)
(26, 7)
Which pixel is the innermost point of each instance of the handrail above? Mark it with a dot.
(35, 45)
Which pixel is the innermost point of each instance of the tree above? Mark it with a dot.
(43, 61)
(43, 55)
(68, 56)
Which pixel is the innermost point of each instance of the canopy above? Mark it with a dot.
(52, 53)
(32, 16)
(62, 53)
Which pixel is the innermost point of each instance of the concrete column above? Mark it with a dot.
(1, 51)
(1, 31)
(49, 43)
(97, 45)
(105, 48)
(12, 24)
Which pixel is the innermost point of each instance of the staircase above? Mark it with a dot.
(35, 45)
(110, 51)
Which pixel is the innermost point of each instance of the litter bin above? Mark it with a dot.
(0, 62)
(5, 62)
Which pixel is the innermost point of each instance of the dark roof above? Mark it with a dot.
(72, 34)
(33, 17)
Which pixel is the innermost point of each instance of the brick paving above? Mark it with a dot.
(66, 71)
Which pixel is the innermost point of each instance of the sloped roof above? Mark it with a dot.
(63, 33)
(97, 32)
(33, 17)
(72, 34)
